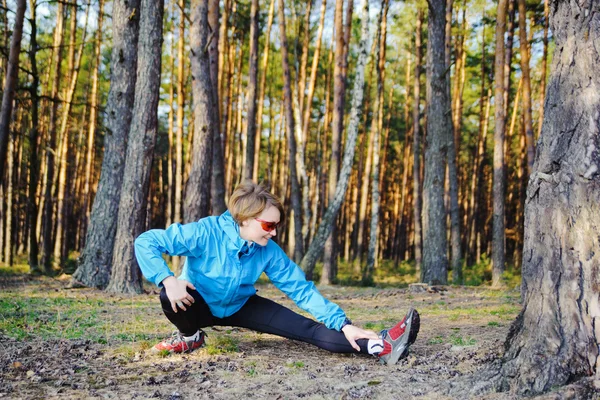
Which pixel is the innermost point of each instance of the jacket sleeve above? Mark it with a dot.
(290, 279)
(177, 240)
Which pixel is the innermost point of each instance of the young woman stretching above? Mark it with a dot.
(225, 257)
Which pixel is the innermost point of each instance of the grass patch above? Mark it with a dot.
(493, 323)
(375, 326)
(222, 344)
(436, 340)
(458, 340)
(296, 364)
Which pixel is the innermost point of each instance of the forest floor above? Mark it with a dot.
(65, 343)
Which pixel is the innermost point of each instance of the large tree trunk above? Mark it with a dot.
(498, 256)
(554, 341)
(326, 226)
(290, 125)
(197, 197)
(252, 133)
(10, 83)
(435, 259)
(96, 258)
(125, 275)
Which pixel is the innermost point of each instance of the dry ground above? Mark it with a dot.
(80, 343)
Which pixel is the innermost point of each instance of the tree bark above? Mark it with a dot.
(544, 68)
(554, 340)
(125, 274)
(10, 82)
(435, 259)
(252, 133)
(94, 264)
(289, 119)
(498, 256)
(326, 226)
(197, 193)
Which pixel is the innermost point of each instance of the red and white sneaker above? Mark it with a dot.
(177, 343)
(397, 339)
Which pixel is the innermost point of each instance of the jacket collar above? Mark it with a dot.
(232, 230)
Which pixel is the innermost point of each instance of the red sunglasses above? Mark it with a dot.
(268, 226)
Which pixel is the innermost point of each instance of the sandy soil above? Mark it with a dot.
(462, 330)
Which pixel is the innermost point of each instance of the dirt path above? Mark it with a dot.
(64, 343)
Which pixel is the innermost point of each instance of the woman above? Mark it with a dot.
(225, 257)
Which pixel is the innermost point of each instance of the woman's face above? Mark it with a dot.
(262, 228)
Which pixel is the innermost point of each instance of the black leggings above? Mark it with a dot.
(262, 315)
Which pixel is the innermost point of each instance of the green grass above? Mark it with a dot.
(436, 340)
(374, 326)
(222, 344)
(53, 315)
(296, 364)
(493, 323)
(458, 340)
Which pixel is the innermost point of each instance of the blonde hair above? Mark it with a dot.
(250, 199)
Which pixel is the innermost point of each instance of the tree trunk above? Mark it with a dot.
(179, 161)
(92, 125)
(452, 150)
(378, 125)
(252, 133)
(498, 256)
(289, 119)
(526, 83)
(304, 61)
(313, 72)
(9, 195)
(47, 220)
(326, 226)
(263, 81)
(32, 205)
(554, 340)
(94, 264)
(217, 190)
(125, 276)
(544, 68)
(435, 259)
(61, 206)
(197, 193)
(337, 127)
(417, 209)
(10, 82)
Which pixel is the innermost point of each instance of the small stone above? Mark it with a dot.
(30, 373)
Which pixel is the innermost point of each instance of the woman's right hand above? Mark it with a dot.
(177, 293)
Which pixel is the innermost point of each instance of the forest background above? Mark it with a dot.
(63, 112)
(409, 141)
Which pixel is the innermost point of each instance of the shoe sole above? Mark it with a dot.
(413, 323)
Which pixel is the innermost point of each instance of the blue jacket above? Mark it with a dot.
(223, 268)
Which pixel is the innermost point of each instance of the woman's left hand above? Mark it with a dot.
(353, 333)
